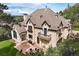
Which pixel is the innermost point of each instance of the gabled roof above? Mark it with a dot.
(46, 23)
(65, 22)
(46, 14)
(20, 29)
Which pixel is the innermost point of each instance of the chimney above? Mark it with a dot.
(56, 15)
(25, 16)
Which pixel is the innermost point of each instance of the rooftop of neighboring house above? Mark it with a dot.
(41, 16)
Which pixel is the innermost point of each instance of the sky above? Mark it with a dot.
(22, 8)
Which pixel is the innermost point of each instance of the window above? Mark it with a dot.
(30, 36)
(45, 31)
(30, 29)
(60, 34)
(37, 40)
(41, 16)
(15, 34)
(23, 37)
(61, 24)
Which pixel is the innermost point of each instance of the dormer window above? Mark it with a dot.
(41, 16)
(30, 29)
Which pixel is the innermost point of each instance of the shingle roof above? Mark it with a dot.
(46, 14)
(65, 22)
(19, 28)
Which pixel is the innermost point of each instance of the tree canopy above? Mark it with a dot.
(4, 17)
(72, 12)
(3, 7)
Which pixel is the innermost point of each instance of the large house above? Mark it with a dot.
(43, 27)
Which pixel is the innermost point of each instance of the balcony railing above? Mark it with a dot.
(45, 37)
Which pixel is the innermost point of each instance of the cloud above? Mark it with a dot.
(24, 11)
(18, 11)
(20, 8)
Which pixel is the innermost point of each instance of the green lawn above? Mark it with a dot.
(7, 48)
(76, 29)
(76, 26)
(5, 43)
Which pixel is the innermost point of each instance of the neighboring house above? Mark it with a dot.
(43, 27)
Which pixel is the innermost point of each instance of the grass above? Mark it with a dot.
(5, 43)
(7, 48)
(76, 28)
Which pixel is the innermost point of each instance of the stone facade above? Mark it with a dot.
(44, 35)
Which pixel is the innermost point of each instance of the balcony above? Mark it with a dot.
(44, 37)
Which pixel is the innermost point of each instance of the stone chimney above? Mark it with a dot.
(25, 16)
(56, 15)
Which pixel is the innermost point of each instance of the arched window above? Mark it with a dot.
(30, 29)
(15, 34)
